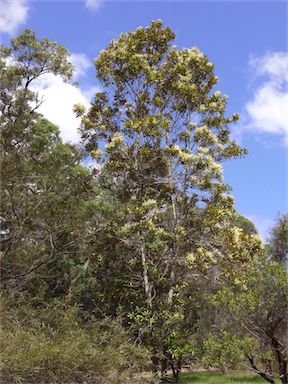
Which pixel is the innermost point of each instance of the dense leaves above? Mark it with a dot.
(144, 253)
(44, 188)
(258, 309)
(51, 344)
(160, 132)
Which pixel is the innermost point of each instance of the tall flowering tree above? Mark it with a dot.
(161, 132)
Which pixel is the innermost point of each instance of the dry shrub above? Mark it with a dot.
(51, 345)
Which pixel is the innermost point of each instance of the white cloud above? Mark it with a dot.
(58, 100)
(268, 110)
(12, 14)
(274, 64)
(93, 5)
(81, 63)
(90, 92)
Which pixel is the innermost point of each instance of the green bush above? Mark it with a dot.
(51, 345)
(225, 351)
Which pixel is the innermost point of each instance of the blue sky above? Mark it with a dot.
(247, 42)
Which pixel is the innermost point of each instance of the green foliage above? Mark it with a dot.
(258, 305)
(245, 224)
(148, 236)
(277, 246)
(50, 344)
(160, 131)
(225, 351)
(44, 188)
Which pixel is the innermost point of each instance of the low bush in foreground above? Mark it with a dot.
(51, 345)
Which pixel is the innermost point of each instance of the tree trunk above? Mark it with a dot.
(147, 286)
(265, 376)
(176, 368)
(164, 368)
(175, 255)
(282, 361)
(155, 364)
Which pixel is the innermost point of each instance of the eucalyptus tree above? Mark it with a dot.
(277, 246)
(44, 188)
(161, 131)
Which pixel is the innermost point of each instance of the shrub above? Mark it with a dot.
(225, 351)
(52, 345)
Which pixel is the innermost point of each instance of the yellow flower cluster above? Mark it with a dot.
(204, 133)
(116, 140)
(96, 153)
(148, 204)
(201, 256)
(184, 157)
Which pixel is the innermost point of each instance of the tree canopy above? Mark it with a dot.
(147, 249)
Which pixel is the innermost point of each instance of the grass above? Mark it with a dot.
(220, 378)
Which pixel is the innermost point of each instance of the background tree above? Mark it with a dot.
(245, 224)
(277, 246)
(44, 188)
(258, 308)
(49, 226)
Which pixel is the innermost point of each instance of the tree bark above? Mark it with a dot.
(175, 254)
(265, 376)
(176, 368)
(147, 286)
(282, 361)
(155, 363)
